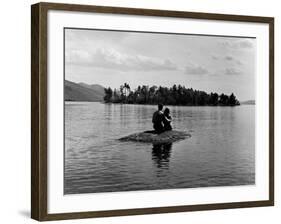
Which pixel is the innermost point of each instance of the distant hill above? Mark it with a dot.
(94, 87)
(82, 92)
(248, 102)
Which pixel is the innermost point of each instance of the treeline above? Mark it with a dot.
(175, 95)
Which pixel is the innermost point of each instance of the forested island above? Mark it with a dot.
(175, 95)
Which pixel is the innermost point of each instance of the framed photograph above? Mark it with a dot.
(141, 111)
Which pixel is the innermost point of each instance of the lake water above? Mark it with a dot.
(220, 152)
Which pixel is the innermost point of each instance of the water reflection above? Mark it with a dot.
(221, 151)
(161, 154)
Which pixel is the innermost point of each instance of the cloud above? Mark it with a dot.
(215, 57)
(87, 37)
(246, 44)
(237, 44)
(238, 62)
(193, 69)
(232, 71)
(228, 58)
(231, 59)
(111, 59)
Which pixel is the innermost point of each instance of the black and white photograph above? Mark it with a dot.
(154, 111)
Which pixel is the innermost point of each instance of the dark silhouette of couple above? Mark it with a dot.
(161, 120)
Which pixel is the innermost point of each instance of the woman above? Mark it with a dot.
(167, 120)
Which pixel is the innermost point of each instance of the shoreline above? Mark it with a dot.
(102, 102)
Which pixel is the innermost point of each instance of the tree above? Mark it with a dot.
(151, 93)
(126, 88)
(232, 100)
(175, 95)
(214, 99)
(223, 100)
(116, 97)
(108, 94)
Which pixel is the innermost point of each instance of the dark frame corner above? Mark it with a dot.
(39, 120)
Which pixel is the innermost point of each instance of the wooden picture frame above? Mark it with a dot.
(39, 110)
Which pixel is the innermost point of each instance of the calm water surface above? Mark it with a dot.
(221, 151)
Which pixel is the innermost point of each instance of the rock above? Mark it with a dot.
(152, 137)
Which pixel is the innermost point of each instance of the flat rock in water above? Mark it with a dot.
(152, 137)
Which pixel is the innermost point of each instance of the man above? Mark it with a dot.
(157, 119)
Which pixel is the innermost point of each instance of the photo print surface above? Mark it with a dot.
(152, 111)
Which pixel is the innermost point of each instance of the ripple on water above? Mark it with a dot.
(221, 151)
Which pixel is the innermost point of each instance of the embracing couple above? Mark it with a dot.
(161, 120)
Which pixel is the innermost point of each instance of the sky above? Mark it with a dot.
(209, 63)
